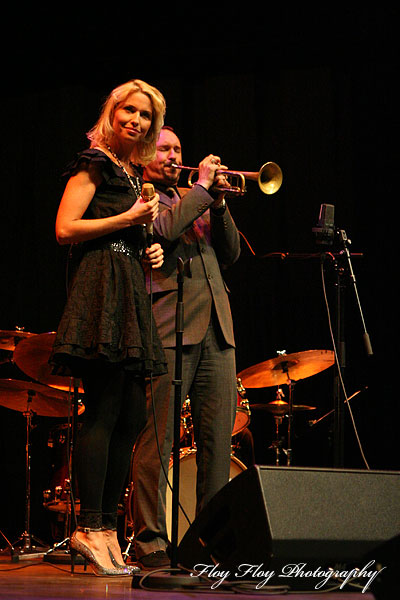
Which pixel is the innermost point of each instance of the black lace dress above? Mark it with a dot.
(108, 314)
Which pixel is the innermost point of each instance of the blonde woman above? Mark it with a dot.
(106, 335)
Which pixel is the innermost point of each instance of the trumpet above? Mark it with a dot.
(269, 178)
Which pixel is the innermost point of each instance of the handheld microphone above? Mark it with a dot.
(148, 193)
(325, 229)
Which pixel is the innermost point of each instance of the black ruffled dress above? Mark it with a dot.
(108, 314)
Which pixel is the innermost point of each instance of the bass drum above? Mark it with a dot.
(187, 488)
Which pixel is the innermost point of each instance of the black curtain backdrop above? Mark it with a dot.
(313, 91)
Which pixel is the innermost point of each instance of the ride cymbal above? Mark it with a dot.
(287, 367)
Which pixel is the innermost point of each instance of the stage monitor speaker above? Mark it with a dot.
(275, 516)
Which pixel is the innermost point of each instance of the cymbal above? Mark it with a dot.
(285, 367)
(45, 401)
(279, 407)
(32, 356)
(9, 339)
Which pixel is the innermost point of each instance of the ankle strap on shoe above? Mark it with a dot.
(89, 529)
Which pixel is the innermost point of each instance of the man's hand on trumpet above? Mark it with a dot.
(221, 181)
(210, 177)
(208, 170)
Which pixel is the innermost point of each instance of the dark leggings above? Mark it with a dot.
(115, 413)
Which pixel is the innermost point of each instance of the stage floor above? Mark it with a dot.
(37, 579)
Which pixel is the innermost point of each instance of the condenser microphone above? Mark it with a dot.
(148, 193)
(325, 229)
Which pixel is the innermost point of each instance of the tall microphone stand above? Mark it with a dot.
(339, 400)
(183, 269)
(326, 232)
(338, 395)
(177, 578)
(177, 382)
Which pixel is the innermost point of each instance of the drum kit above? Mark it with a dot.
(44, 395)
(51, 395)
(285, 369)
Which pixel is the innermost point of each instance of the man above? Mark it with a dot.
(198, 227)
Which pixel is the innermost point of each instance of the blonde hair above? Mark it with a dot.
(102, 132)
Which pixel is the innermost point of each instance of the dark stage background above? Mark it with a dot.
(311, 90)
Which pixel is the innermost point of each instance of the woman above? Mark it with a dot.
(106, 335)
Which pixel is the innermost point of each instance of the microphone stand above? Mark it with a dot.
(339, 401)
(345, 241)
(178, 578)
(183, 268)
(338, 396)
(177, 382)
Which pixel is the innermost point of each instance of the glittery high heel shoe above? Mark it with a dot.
(132, 568)
(77, 547)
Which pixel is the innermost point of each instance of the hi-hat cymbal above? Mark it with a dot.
(32, 356)
(285, 367)
(279, 407)
(24, 395)
(10, 339)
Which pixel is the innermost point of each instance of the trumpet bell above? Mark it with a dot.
(269, 178)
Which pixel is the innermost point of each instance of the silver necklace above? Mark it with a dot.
(134, 183)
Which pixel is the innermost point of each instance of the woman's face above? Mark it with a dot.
(132, 119)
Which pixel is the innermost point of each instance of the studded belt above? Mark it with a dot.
(121, 246)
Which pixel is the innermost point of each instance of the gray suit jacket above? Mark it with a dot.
(186, 228)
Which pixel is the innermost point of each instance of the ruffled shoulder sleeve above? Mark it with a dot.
(94, 157)
(110, 172)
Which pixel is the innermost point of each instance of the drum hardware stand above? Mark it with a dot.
(26, 550)
(177, 577)
(277, 443)
(51, 555)
(10, 547)
(128, 521)
(290, 384)
(279, 416)
(289, 450)
(130, 540)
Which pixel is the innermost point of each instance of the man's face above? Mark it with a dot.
(168, 150)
